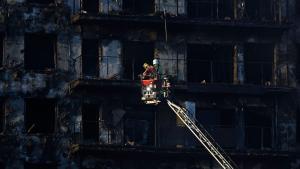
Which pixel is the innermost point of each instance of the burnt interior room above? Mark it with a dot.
(90, 121)
(41, 1)
(220, 123)
(39, 166)
(217, 9)
(139, 126)
(258, 133)
(91, 7)
(40, 115)
(90, 57)
(258, 65)
(138, 6)
(40, 51)
(135, 54)
(259, 10)
(212, 63)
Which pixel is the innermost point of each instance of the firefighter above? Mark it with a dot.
(150, 72)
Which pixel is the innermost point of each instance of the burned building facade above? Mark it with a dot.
(70, 94)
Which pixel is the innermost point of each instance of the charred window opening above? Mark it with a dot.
(225, 9)
(220, 9)
(110, 59)
(90, 122)
(90, 57)
(40, 115)
(210, 63)
(138, 6)
(39, 52)
(2, 117)
(259, 63)
(216, 117)
(139, 127)
(135, 55)
(41, 1)
(91, 7)
(259, 10)
(39, 166)
(258, 128)
(220, 123)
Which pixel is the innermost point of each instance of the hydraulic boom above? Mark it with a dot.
(205, 139)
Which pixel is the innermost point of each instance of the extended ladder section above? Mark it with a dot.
(203, 136)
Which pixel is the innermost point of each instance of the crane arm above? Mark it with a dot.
(203, 136)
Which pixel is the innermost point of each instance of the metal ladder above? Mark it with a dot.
(204, 137)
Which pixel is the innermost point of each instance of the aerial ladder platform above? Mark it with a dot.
(153, 92)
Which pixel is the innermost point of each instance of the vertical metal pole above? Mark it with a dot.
(274, 131)
(155, 128)
(262, 138)
(80, 5)
(74, 6)
(107, 69)
(177, 66)
(166, 30)
(177, 8)
(262, 73)
(235, 9)
(133, 70)
(217, 9)
(107, 6)
(235, 70)
(211, 71)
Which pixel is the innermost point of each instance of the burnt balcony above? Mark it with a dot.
(114, 75)
(93, 137)
(197, 15)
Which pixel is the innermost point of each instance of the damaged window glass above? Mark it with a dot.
(209, 63)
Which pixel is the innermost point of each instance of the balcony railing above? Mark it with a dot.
(113, 8)
(188, 70)
(229, 137)
(96, 132)
(196, 9)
